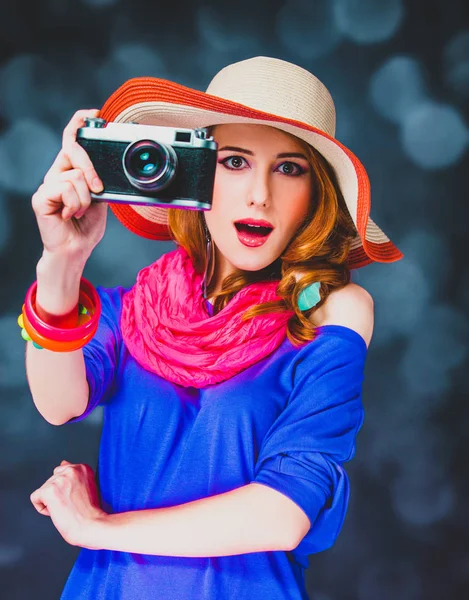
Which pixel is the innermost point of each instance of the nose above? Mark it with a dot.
(260, 190)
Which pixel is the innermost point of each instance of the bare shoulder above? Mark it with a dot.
(352, 306)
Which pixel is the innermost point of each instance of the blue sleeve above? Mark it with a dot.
(102, 352)
(303, 452)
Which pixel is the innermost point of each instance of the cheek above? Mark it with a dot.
(227, 192)
(219, 215)
(300, 205)
(219, 189)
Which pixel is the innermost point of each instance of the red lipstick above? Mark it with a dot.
(253, 232)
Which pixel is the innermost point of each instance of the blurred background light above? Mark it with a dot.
(27, 150)
(439, 344)
(228, 30)
(423, 499)
(308, 29)
(10, 554)
(434, 136)
(456, 61)
(45, 89)
(397, 87)
(27, 83)
(400, 291)
(12, 349)
(368, 21)
(5, 224)
(431, 251)
(226, 36)
(421, 491)
(127, 60)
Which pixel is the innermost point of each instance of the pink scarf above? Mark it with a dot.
(167, 330)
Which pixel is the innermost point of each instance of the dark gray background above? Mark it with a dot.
(399, 74)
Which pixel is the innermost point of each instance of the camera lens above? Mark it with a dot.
(145, 162)
(149, 165)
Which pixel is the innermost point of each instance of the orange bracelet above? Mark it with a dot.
(63, 333)
(54, 345)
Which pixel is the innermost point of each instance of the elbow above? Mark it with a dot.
(56, 423)
(51, 421)
(298, 534)
(55, 420)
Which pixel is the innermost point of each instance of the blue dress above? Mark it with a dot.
(288, 422)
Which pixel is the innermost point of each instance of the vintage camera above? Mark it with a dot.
(148, 164)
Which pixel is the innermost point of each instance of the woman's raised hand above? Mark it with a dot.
(69, 223)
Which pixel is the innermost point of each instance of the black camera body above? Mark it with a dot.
(154, 165)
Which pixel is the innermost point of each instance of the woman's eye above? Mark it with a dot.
(233, 162)
(291, 168)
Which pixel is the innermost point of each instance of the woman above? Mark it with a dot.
(231, 372)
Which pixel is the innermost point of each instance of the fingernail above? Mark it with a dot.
(97, 185)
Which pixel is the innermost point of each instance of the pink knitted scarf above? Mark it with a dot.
(167, 330)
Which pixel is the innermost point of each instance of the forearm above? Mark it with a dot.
(248, 519)
(57, 380)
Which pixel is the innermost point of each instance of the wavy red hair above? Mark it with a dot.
(317, 252)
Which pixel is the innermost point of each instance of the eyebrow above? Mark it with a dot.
(281, 155)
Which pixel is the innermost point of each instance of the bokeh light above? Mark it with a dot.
(369, 21)
(421, 492)
(27, 150)
(397, 87)
(439, 345)
(10, 554)
(434, 135)
(36, 87)
(456, 59)
(225, 36)
(5, 223)
(424, 498)
(128, 60)
(308, 29)
(12, 352)
(431, 251)
(228, 30)
(400, 291)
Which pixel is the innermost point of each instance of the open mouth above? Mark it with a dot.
(253, 230)
(252, 235)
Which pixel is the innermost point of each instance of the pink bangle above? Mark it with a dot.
(53, 345)
(88, 297)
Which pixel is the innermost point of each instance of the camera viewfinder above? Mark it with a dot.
(183, 136)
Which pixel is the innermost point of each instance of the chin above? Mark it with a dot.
(253, 263)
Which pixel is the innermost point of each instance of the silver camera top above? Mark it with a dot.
(97, 128)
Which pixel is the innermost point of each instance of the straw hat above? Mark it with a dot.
(259, 90)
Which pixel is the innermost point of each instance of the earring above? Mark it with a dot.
(310, 296)
(209, 265)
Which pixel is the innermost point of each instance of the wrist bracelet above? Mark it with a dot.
(24, 334)
(55, 345)
(79, 330)
(88, 297)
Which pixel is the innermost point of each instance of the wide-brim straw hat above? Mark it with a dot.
(258, 90)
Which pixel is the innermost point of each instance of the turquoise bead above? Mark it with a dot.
(37, 346)
(310, 296)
